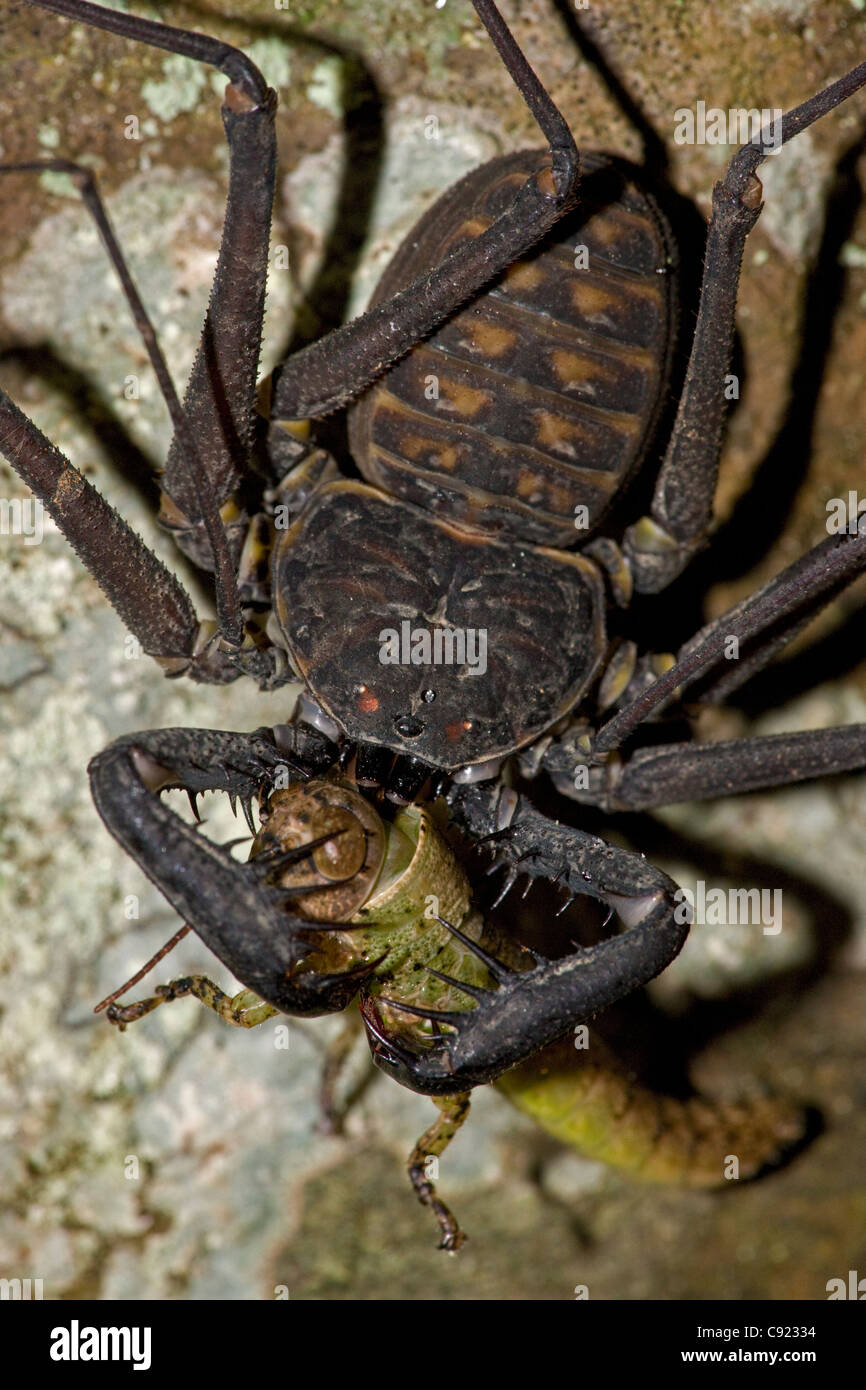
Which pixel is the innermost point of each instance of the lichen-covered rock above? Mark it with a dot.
(182, 1159)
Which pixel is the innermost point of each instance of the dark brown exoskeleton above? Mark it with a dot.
(505, 390)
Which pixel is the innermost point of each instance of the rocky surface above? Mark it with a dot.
(181, 1159)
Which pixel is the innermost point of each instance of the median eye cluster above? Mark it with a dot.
(408, 726)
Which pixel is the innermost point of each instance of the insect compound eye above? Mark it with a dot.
(344, 856)
(345, 868)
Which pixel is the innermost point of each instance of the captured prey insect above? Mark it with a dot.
(549, 383)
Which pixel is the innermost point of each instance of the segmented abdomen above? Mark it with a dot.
(539, 396)
(588, 1100)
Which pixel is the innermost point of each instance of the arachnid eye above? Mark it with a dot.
(346, 866)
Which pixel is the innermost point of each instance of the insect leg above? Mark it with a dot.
(659, 546)
(453, 1110)
(337, 1052)
(330, 372)
(244, 1010)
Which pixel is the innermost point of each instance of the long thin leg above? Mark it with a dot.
(453, 1111)
(754, 656)
(337, 1053)
(220, 397)
(219, 403)
(228, 606)
(660, 546)
(694, 771)
(149, 599)
(330, 372)
(803, 585)
(153, 604)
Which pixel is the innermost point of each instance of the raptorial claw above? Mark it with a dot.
(208, 888)
(529, 1009)
(386, 1051)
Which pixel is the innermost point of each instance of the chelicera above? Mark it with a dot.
(448, 614)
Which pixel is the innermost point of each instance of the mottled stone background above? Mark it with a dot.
(180, 1160)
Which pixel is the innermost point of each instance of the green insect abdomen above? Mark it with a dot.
(588, 1100)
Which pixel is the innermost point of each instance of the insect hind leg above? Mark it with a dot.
(424, 1165)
